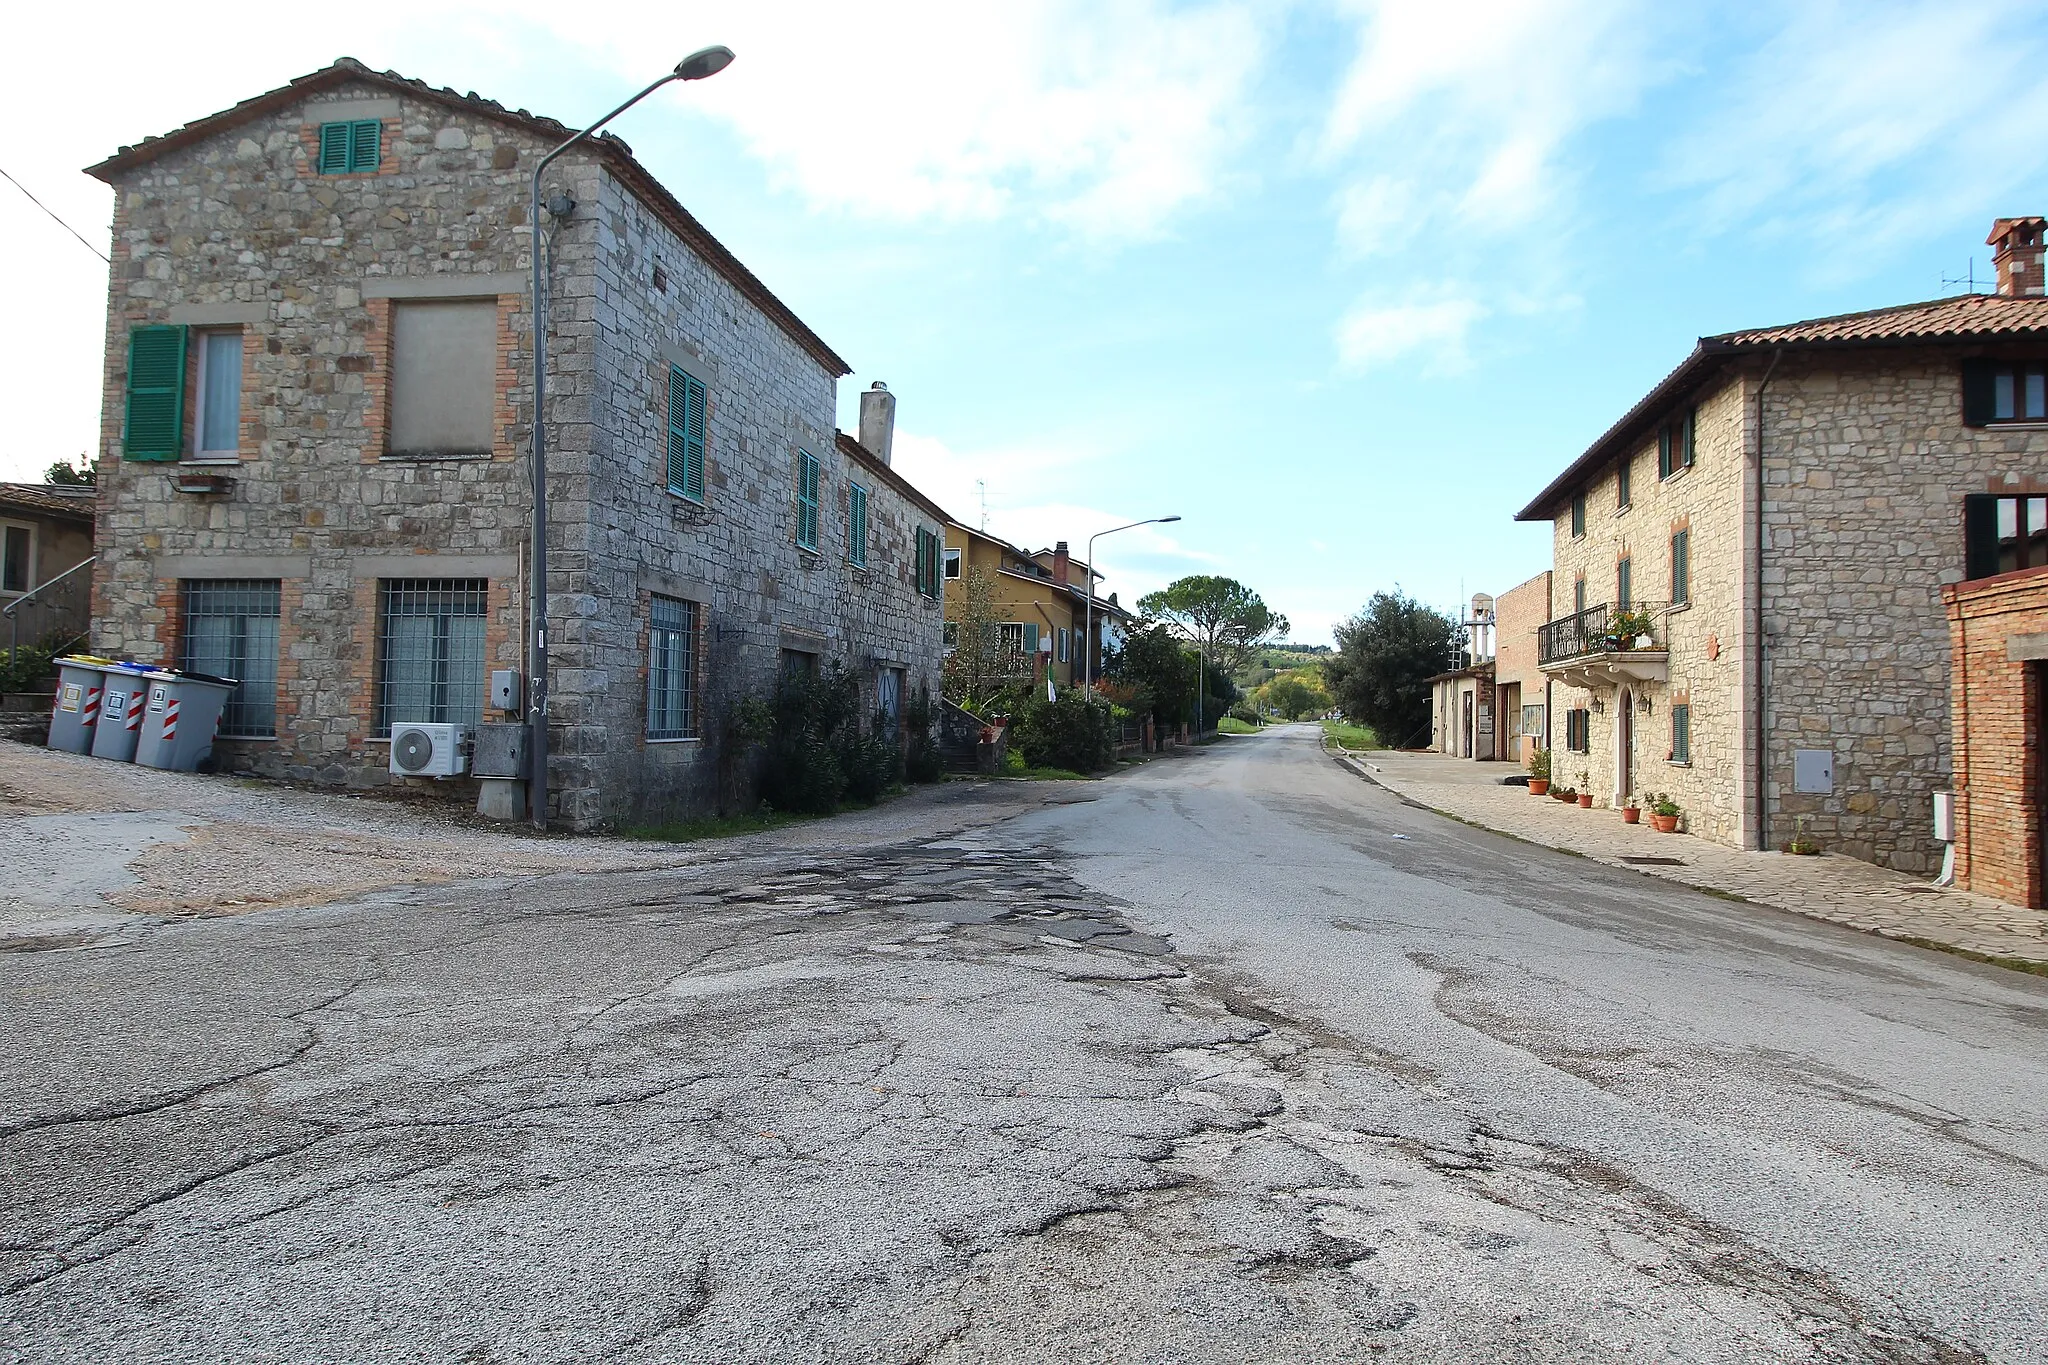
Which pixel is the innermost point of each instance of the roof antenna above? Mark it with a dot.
(981, 490)
(1967, 281)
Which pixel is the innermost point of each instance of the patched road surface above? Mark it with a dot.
(1241, 1059)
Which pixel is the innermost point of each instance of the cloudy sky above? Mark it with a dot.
(1340, 282)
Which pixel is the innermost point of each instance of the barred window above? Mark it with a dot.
(1681, 733)
(229, 629)
(672, 669)
(430, 651)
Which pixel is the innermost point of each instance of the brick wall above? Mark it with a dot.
(1995, 730)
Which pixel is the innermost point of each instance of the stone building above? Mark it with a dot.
(1998, 634)
(315, 473)
(1749, 564)
(1521, 689)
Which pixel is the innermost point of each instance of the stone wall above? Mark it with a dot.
(238, 230)
(1997, 716)
(1867, 463)
(1704, 638)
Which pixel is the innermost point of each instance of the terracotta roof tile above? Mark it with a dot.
(1963, 319)
(54, 499)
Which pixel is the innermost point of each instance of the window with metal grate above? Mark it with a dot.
(229, 629)
(672, 668)
(430, 651)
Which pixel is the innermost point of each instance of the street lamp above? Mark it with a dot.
(1088, 614)
(695, 67)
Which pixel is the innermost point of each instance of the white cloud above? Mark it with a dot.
(1375, 334)
(1864, 126)
(1103, 116)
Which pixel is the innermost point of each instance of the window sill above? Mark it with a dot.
(210, 461)
(1677, 607)
(673, 739)
(250, 739)
(429, 457)
(694, 504)
(1624, 509)
(2015, 424)
(1677, 473)
(1678, 762)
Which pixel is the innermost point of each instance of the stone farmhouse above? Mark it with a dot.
(1749, 565)
(315, 445)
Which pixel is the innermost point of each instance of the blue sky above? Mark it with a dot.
(1340, 282)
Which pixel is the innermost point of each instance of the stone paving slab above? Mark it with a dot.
(1829, 887)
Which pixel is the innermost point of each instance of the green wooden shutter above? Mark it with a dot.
(1664, 464)
(335, 146)
(685, 435)
(1621, 585)
(365, 145)
(1977, 392)
(156, 394)
(1692, 422)
(1681, 567)
(1031, 639)
(1980, 535)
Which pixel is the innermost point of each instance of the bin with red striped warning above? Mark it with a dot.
(180, 717)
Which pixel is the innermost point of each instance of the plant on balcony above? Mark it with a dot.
(1539, 772)
(1664, 812)
(1626, 627)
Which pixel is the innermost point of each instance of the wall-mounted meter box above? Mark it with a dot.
(505, 689)
(1945, 817)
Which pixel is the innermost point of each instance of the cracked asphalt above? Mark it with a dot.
(1240, 1059)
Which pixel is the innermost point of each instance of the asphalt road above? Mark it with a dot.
(1241, 1059)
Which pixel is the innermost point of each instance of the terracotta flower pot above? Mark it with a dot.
(1666, 824)
(1631, 815)
(1539, 786)
(1585, 800)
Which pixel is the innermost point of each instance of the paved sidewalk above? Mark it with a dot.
(1830, 887)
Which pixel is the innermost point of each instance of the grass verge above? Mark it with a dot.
(1351, 736)
(2011, 964)
(1231, 725)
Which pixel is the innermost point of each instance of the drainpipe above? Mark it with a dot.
(1762, 674)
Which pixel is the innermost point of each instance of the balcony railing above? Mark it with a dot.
(1601, 629)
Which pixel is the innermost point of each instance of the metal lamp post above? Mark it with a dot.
(695, 67)
(1088, 613)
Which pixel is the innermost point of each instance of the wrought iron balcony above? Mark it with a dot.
(1605, 645)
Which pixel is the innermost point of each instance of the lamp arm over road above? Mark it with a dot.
(1088, 614)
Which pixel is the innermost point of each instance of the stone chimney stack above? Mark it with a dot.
(1062, 564)
(2019, 256)
(878, 420)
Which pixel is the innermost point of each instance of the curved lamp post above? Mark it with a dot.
(1088, 616)
(695, 67)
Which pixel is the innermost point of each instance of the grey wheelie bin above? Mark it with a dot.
(180, 716)
(79, 682)
(120, 723)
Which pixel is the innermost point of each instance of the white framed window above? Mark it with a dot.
(1012, 635)
(952, 563)
(17, 556)
(217, 425)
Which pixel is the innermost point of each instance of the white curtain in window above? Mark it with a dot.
(220, 402)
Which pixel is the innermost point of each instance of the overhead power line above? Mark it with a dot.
(55, 219)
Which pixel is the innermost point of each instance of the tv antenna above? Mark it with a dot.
(1968, 280)
(981, 491)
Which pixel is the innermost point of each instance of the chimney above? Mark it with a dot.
(878, 420)
(1062, 564)
(2018, 256)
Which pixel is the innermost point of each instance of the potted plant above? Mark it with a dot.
(1539, 772)
(1564, 793)
(1800, 844)
(1585, 790)
(1664, 812)
(1631, 813)
(1628, 629)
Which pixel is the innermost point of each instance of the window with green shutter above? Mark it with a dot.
(1681, 733)
(927, 576)
(1681, 567)
(352, 147)
(807, 500)
(1579, 515)
(685, 435)
(1621, 583)
(856, 525)
(155, 423)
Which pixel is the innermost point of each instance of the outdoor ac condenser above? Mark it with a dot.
(422, 750)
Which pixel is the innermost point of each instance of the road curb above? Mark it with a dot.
(1354, 761)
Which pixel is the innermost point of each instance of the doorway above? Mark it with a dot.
(1624, 746)
(1466, 751)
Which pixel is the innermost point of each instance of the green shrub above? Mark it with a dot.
(922, 761)
(1073, 732)
(1245, 712)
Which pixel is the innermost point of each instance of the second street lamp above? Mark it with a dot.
(1088, 615)
(704, 62)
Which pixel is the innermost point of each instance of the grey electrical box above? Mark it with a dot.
(1813, 770)
(505, 689)
(500, 751)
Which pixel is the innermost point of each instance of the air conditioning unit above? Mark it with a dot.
(420, 750)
